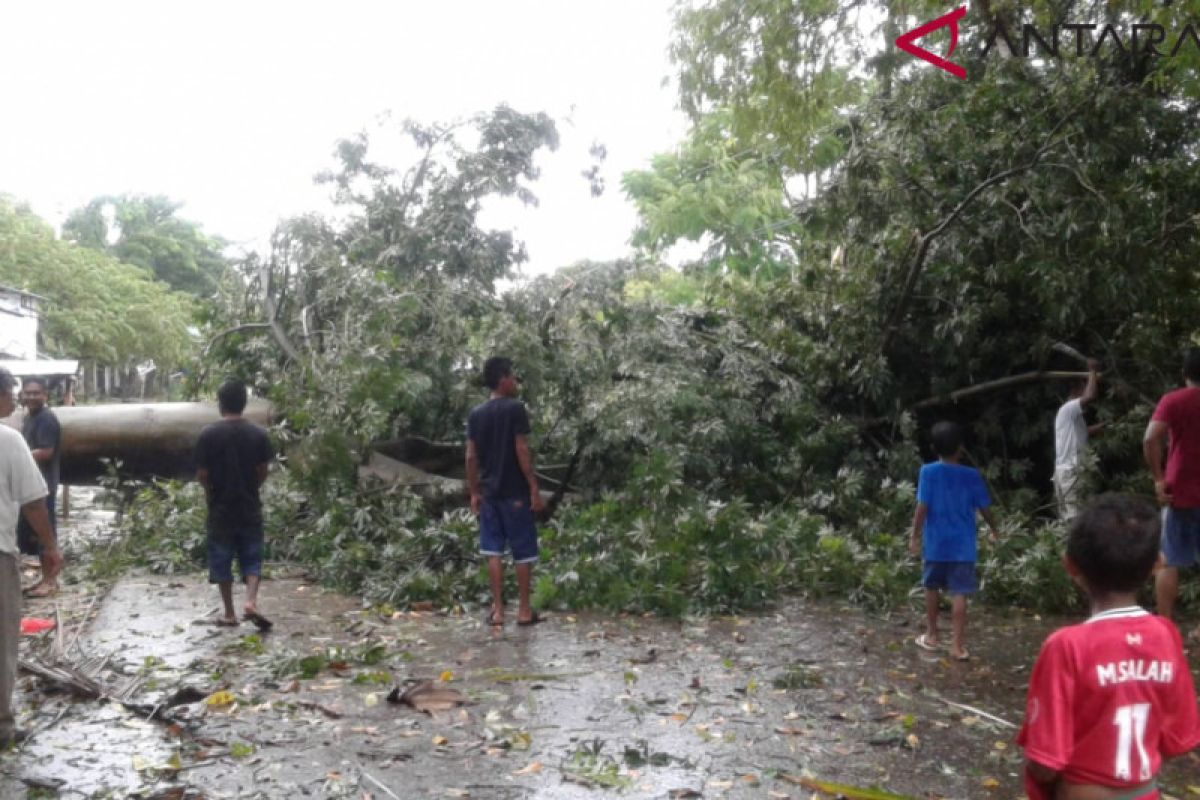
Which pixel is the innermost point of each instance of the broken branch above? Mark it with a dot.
(999, 383)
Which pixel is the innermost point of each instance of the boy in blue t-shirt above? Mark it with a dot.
(948, 495)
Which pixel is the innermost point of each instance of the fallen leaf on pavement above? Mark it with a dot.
(428, 697)
(533, 768)
(839, 789)
(220, 699)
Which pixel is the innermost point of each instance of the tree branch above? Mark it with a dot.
(999, 383)
(926, 240)
(277, 332)
(249, 326)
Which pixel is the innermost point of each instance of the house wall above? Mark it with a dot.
(18, 325)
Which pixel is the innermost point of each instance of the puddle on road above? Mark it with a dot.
(581, 706)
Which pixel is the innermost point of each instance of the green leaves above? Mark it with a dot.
(145, 232)
(99, 308)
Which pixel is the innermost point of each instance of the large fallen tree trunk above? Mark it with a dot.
(157, 440)
(150, 440)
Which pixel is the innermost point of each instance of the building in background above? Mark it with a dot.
(18, 324)
(19, 320)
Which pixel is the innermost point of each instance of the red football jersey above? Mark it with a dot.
(1180, 410)
(1109, 698)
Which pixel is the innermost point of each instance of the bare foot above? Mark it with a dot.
(43, 590)
(227, 622)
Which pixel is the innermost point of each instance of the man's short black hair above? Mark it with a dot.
(947, 438)
(1191, 364)
(38, 379)
(231, 397)
(495, 369)
(1114, 541)
(7, 381)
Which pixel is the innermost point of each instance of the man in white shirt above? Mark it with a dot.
(22, 492)
(1071, 433)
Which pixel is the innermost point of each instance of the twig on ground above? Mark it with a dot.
(329, 712)
(979, 713)
(83, 622)
(376, 781)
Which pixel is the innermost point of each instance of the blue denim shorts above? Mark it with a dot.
(955, 577)
(508, 524)
(224, 543)
(1181, 536)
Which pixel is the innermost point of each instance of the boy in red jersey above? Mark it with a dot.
(1111, 697)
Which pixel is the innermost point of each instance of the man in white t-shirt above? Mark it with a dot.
(22, 492)
(1071, 433)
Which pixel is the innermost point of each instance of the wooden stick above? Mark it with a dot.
(375, 781)
(979, 713)
(82, 623)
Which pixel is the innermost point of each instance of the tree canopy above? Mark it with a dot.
(145, 231)
(99, 308)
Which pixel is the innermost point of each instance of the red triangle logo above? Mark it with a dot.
(905, 41)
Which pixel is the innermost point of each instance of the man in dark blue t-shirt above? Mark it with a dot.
(43, 435)
(503, 487)
(232, 460)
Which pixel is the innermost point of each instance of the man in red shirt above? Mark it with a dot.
(1177, 419)
(1110, 698)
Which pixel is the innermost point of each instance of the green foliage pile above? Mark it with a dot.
(878, 235)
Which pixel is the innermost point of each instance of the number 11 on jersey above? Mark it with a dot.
(1131, 728)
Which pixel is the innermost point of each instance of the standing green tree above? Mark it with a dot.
(145, 231)
(99, 308)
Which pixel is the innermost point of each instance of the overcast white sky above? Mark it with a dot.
(232, 107)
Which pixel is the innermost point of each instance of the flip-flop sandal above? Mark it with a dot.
(493, 620)
(923, 642)
(220, 622)
(262, 623)
(964, 657)
(534, 620)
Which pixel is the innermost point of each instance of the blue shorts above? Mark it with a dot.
(27, 541)
(1181, 536)
(243, 541)
(508, 523)
(955, 577)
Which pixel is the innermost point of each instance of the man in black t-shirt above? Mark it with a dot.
(505, 496)
(232, 457)
(43, 434)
